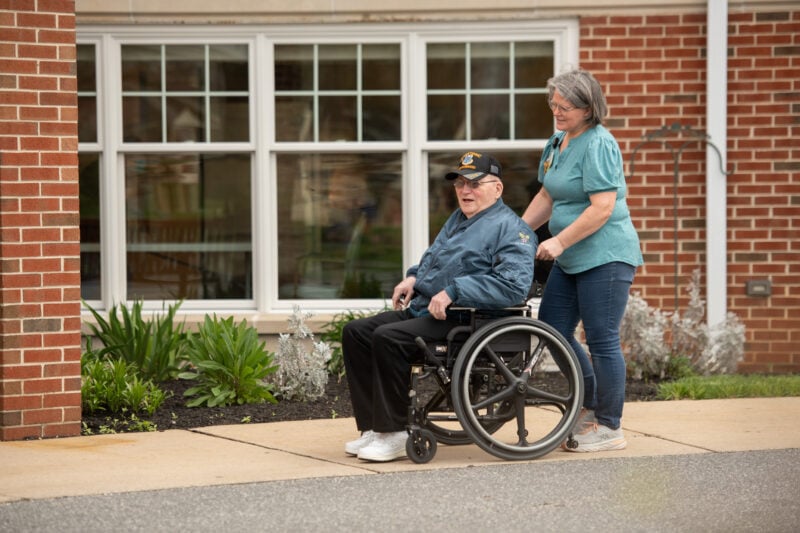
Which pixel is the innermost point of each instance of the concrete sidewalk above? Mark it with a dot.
(226, 455)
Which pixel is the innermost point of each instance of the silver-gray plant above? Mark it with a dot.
(654, 350)
(302, 374)
(642, 336)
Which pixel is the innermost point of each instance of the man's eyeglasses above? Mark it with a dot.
(561, 108)
(459, 184)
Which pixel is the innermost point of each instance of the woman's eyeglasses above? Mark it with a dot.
(459, 183)
(560, 108)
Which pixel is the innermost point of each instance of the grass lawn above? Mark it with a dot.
(730, 386)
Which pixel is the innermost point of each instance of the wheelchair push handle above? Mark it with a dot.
(440, 370)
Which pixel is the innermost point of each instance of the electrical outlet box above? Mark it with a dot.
(758, 287)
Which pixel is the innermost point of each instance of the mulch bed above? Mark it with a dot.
(173, 413)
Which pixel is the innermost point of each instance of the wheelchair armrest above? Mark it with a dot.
(497, 311)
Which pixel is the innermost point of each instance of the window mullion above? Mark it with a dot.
(468, 91)
(359, 95)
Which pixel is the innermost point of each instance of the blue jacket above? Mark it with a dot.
(485, 261)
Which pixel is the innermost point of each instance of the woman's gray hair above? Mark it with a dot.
(582, 90)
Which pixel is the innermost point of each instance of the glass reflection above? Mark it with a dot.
(446, 65)
(202, 98)
(337, 67)
(340, 228)
(89, 185)
(185, 67)
(490, 116)
(489, 65)
(141, 67)
(294, 67)
(380, 67)
(473, 93)
(188, 226)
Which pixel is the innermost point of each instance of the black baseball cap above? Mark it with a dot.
(474, 166)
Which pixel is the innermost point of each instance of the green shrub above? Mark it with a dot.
(113, 386)
(229, 364)
(154, 346)
(302, 373)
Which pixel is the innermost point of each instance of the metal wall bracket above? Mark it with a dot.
(690, 137)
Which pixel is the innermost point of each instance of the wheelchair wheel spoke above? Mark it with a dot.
(540, 394)
(522, 432)
(504, 370)
(496, 398)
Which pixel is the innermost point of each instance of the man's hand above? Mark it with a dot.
(403, 292)
(439, 304)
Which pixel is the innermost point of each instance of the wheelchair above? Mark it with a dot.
(510, 384)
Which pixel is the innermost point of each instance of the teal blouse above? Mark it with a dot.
(591, 163)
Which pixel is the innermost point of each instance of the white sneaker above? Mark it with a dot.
(352, 447)
(385, 447)
(599, 438)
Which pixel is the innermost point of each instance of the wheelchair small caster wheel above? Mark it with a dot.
(571, 443)
(421, 446)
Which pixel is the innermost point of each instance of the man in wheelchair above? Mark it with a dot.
(482, 257)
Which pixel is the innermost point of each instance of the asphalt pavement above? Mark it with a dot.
(711, 465)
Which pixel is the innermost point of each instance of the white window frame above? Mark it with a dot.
(413, 144)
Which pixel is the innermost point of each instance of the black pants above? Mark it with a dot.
(378, 352)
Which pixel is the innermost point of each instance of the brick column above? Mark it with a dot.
(40, 338)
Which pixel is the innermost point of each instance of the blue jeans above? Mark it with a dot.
(598, 298)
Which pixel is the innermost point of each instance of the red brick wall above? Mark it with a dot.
(39, 261)
(654, 71)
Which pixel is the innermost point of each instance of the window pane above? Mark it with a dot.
(294, 116)
(446, 119)
(87, 93)
(533, 118)
(87, 118)
(294, 68)
(381, 118)
(185, 67)
(381, 67)
(499, 105)
(533, 64)
(228, 68)
(337, 118)
(204, 84)
(489, 115)
(89, 183)
(447, 66)
(230, 119)
(337, 67)
(85, 66)
(489, 65)
(340, 228)
(188, 226)
(141, 119)
(141, 68)
(186, 119)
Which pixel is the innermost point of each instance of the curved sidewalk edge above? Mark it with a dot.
(223, 455)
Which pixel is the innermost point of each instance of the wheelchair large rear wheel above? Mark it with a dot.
(528, 380)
